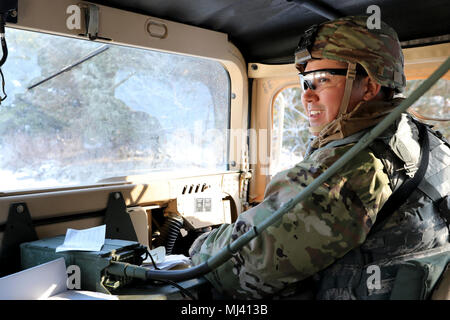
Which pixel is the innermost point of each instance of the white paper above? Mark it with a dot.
(158, 254)
(35, 283)
(91, 239)
(172, 261)
(82, 295)
(47, 281)
(164, 262)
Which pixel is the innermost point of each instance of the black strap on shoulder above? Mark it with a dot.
(404, 191)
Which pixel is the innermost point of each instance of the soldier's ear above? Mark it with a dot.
(371, 89)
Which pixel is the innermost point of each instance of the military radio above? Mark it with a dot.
(111, 268)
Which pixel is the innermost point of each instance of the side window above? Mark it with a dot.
(290, 132)
(434, 106)
(79, 112)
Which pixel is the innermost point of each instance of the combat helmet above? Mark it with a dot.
(349, 40)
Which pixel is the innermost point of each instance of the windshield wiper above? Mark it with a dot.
(87, 57)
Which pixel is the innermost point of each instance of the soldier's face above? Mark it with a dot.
(322, 106)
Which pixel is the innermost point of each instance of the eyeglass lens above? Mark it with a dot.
(320, 80)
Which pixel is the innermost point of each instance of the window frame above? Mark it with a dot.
(182, 39)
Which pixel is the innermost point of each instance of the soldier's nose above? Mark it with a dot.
(309, 95)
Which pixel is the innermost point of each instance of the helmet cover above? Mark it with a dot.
(349, 40)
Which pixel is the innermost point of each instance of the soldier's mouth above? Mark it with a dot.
(315, 113)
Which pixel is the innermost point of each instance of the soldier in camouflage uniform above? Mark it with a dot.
(349, 75)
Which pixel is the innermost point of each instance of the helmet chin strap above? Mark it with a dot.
(349, 78)
(316, 129)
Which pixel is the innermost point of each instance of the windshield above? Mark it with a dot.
(79, 112)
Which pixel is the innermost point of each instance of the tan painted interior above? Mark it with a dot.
(42, 204)
(421, 62)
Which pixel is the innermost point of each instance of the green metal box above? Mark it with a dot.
(92, 265)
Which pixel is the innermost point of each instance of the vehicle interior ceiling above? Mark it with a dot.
(266, 33)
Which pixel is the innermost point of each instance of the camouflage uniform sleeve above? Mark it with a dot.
(307, 239)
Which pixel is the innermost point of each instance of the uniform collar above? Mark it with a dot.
(366, 114)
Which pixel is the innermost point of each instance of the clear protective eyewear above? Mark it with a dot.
(318, 80)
